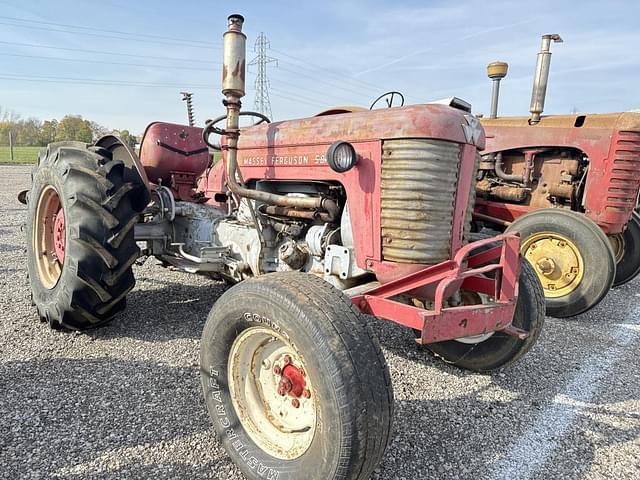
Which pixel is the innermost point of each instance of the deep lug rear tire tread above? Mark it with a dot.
(99, 207)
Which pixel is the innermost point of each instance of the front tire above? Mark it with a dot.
(571, 256)
(500, 349)
(294, 380)
(80, 243)
(626, 246)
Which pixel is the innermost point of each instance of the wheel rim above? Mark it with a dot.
(557, 262)
(473, 298)
(618, 245)
(271, 393)
(49, 237)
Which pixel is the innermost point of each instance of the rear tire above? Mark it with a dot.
(571, 256)
(501, 349)
(628, 265)
(346, 418)
(85, 281)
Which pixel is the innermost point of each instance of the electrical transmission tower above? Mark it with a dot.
(262, 103)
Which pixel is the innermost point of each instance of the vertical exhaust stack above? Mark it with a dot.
(541, 77)
(496, 71)
(233, 89)
(233, 83)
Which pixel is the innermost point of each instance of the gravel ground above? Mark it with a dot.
(125, 400)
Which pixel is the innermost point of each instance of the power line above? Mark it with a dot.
(118, 32)
(103, 62)
(322, 95)
(101, 52)
(165, 67)
(341, 77)
(150, 38)
(101, 82)
(297, 98)
(261, 100)
(334, 85)
(93, 81)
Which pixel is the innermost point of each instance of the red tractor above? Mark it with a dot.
(568, 184)
(319, 221)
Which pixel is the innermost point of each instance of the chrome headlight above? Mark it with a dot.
(341, 156)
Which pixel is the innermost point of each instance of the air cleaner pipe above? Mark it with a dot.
(541, 77)
(233, 89)
(496, 71)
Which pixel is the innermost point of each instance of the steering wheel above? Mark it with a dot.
(388, 101)
(210, 126)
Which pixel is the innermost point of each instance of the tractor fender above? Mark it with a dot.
(123, 152)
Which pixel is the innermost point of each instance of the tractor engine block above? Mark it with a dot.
(201, 238)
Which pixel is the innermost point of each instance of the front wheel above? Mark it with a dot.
(626, 247)
(490, 351)
(571, 256)
(294, 380)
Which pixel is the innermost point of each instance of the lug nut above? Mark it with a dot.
(295, 403)
(281, 391)
(306, 393)
(277, 370)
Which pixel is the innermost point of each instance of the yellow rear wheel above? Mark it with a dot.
(571, 256)
(557, 262)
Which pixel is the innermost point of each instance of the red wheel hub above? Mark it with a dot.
(59, 240)
(292, 381)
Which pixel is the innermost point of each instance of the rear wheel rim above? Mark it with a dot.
(271, 393)
(49, 237)
(557, 261)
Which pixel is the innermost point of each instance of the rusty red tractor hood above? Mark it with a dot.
(611, 142)
(296, 149)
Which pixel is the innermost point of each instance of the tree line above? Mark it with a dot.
(34, 132)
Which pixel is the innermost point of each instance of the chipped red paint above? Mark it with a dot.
(59, 236)
(610, 141)
(296, 149)
(175, 155)
(292, 381)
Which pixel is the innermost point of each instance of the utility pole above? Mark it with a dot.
(188, 98)
(262, 103)
(10, 146)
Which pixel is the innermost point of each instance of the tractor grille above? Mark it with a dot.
(624, 182)
(419, 182)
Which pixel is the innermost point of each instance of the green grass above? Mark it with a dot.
(26, 155)
(20, 154)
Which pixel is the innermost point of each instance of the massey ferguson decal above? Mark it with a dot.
(295, 160)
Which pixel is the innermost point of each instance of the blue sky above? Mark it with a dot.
(128, 62)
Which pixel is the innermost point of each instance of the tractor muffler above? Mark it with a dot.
(233, 89)
(541, 77)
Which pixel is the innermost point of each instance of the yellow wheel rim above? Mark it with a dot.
(557, 262)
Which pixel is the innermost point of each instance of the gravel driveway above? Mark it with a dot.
(124, 401)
